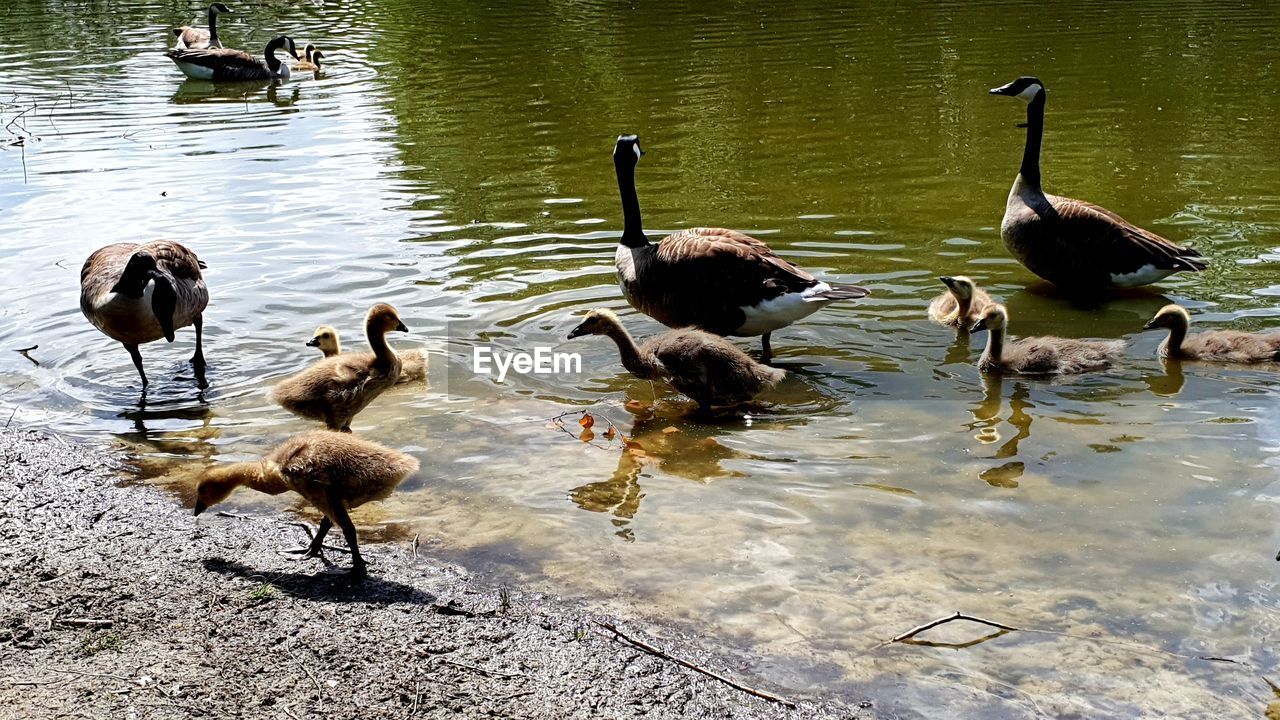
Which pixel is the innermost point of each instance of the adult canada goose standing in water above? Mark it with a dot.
(136, 294)
(714, 279)
(332, 471)
(1039, 355)
(190, 38)
(1233, 346)
(235, 65)
(1071, 243)
(703, 366)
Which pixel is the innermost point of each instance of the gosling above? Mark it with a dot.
(1233, 346)
(961, 305)
(332, 471)
(413, 363)
(337, 388)
(311, 60)
(702, 366)
(1039, 355)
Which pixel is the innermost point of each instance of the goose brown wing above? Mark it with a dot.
(1099, 235)
(211, 57)
(728, 264)
(179, 260)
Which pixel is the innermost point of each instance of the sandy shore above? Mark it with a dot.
(116, 603)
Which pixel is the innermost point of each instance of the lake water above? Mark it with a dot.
(455, 161)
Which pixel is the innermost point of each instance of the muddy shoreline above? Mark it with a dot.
(115, 602)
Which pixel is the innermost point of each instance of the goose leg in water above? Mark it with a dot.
(137, 361)
(766, 351)
(198, 358)
(338, 507)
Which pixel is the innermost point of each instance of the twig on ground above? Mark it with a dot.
(314, 681)
(414, 546)
(486, 671)
(696, 668)
(90, 674)
(85, 623)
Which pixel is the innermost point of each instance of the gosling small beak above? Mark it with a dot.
(577, 332)
(1151, 325)
(400, 327)
(980, 324)
(313, 342)
(947, 280)
(200, 507)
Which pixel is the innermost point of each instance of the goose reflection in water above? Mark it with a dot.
(987, 416)
(1170, 382)
(200, 91)
(665, 442)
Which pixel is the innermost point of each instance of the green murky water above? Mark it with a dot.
(454, 161)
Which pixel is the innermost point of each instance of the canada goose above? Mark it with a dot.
(336, 388)
(1220, 345)
(413, 363)
(960, 305)
(190, 38)
(1039, 355)
(235, 65)
(1071, 243)
(136, 294)
(311, 60)
(332, 471)
(714, 279)
(703, 366)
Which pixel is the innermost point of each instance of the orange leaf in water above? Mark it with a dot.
(610, 433)
(670, 429)
(636, 407)
(587, 420)
(587, 435)
(710, 443)
(633, 447)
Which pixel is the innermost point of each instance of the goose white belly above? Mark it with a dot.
(770, 315)
(1144, 275)
(195, 72)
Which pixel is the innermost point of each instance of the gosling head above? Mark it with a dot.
(597, 322)
(384, 319)
(216, 485)
(310, 49)
(315, 59)
(1025, 88)
(627, 151)
(325, 338)
(1170, 316)
(960, 286)
(993, 318)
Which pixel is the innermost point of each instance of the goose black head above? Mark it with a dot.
(627, 149)
(140, 270)
(1025, 88)
(218, 8)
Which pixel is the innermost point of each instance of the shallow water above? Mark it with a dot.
(455, 161)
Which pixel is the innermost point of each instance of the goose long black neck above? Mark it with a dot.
(213, 28)
(632, 227)
(1030, 169)
(273, 63)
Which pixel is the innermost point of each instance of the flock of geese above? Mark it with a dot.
(705, 283)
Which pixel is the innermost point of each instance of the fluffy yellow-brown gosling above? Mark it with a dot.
(703, 366)
(336, 388)
(333, 471)
(136, 294)
(1039, 355)
(961, 305)
(413, 363)
(311, 62)
(1232, 346)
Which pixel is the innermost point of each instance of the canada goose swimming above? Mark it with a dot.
(136, 294)
(703, 366)
(714, 279)
(310, 61)
(1071, 243)
(1039, 355)
(961, 305)
(235, 65)
(333, 471)
(190, 38)
(1232, 346)
(413, 363)
(336, 388)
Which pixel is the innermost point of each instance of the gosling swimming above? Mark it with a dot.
(333, 471)
(336, 388)
(1233, 346)
(413, 363)
(1039, 355)
(961, 305)
(703, 366)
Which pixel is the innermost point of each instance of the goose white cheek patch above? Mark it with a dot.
(1030, 93)
(636, 148)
